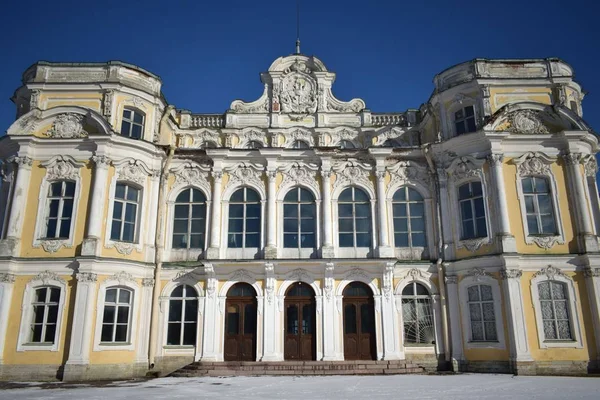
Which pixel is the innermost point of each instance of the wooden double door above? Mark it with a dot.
(299, 341)
(359, 323)
(240, 323)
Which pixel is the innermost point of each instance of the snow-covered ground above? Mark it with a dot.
(447, 387)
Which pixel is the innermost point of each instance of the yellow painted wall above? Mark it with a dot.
(560, 354)
(11, 355)
(500, 96)
(92, 100)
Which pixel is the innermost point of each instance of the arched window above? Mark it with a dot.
(347, 144)
(472, 210)
(538, 206)
(125, 213)
(244, 219)
(183, 316)
(554, 304)
(417, 315)
(254, 144)
(59, 209)
(299, 219)
(409, 218)
(45, 315)
(354, 218)
(132, 124)
(189, 222)
(116, 317)
(300, 144)
(482, 314)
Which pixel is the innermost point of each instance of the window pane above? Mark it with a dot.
(363, 225)
(121, 333)
(401, 240)
(252, 240)
(236, 225)
(529, 204)
(413, 195)
(307, 225)
(549, 330)
(400, 194)
(251, 195)
(471, 125)
(198, 225)
(234, 240)
(127, 114)
(345, 210)
(477, 189)
(117, 210)
(189, 334)
(65, 228)
(115, 231)
(111, 296)
(290, 241)
(50, 333)
(481, 227)
(307, 240)
(67, 210)
(346, 240)
(418, 239)
(466, 211)
(464, 192)
(417, 209)
(51, 228)
(468, 230)
(199, 211)
(307, 210)
(545, 204)
(548, 225)
(541, 185)
(125, 128)
(486, 293)
(53, 208)
(473, 293)
(191, 310)
(527, 184)
(400, 225)
(127, 232)
(363, 210)
(197, 241)
(346, 195)
(54, 295)
(136, 131)
(123, 314)
(109, 314)
(253, 211)
(532, 225)
(178, 291)
(238, 196)
(479, 207)
(124, 296)
(363, 240)
(181, 211)
(468, 111)
(417, 224)
(360, 195)
(490, 331)
(175, 310)
(174, 334)
(132, 193)
(475, 312)
(138, 118)
(477, 330)
(252, 225)
(106, 335)
(564, 330)
(180, 226)
(120, 191)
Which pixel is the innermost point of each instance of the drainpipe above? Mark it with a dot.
(158, 251)
(440, 261)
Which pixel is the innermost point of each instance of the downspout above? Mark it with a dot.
(440, 262)
(158, 251)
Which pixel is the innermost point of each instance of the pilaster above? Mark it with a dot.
(269, 314)
(6, 289)
(330, 316)
(455, 322)
(143, 339)
(214, 251)
(505, 238)
(11, 244)
(327, 250)
(592, 283)
(392, 349)
(91, 244)
(211, 323)
(271, 248)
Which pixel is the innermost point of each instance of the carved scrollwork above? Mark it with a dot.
(7, 278)
(53, 245)
(298, 93)
(352, 172)
(526, 121)
(298, 135)
(358, 274)
(122, 277)
(148, 282)
(477, 273)
(62, 168)
(300, 174)
(192, 174)
(511, 274)
(451, 280)
(242, 275)
(300, 275)
(247, 174)
(465, 167)
(87, 277)
(550, 272)
(533, 164)
(474, 244)
(407, 171)
(67, 126)
(133, 171)
(124, 248)
(591, 166)
(546, 242)
(46, 276)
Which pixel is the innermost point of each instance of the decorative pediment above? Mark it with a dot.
(357, 274)
(529, 118)
(465, 167)
(297, 91)
(407, 171)
(300, 275)
(193, 174)
(62, 168)
(255, 107)
(550, 272)
(533, 164)
(201, 138)
(133, 170)
(121, 277)
(396, 137)
(67, 126)
(352, 172)
(47, 276)
(295, 135)
(242, 275)
(249, 135)
(246, 173)
(300, 174)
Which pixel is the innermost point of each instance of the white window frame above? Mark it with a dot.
(554, 274)
(125, 202)
(298, 252)
(353, 252)
(471, 201)
(182, 322)
(134, 313)
(56, 173)
(143, 124)
(461, 102)
(416, 297)
(463, 286)
(413, 252)
(543, 170)
(189, 219)
(242, 252)
(44, 279)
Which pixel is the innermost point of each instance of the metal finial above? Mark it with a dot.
(297, 26)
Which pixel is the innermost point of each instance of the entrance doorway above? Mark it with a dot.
(359, 322)
(240, 323)
(300, 343)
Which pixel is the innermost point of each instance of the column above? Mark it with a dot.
(271, 249)
(327, 248)
(99, 196)
(592, 284)
(517, 328)
(270, 311)
(391, 337)
(211, 323)
(213, 251)
(446, 215)
(150, 228)
(384, 242)
(7, 179)
(584, 225)
(10, 245)
(6, 289)
(81, 329)
(504, 232)
(329, 315)
(143, 339)
(455, 323)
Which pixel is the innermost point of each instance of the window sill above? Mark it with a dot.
(561, 343)
(179, 347)
(38, 347)
(115, 344)
(484, 345)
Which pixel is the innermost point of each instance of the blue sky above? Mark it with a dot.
(385, 52)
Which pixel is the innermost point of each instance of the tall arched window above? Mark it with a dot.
(45, 315)
(189, 223)
(299, 219)
(417, 315)
(117, 315)
(183, 316)
(409, 218)
(482, 314)
(354, 218)
(244, 219)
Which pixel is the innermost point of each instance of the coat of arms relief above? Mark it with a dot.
(298, 94)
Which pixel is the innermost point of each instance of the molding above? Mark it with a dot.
(67, 126)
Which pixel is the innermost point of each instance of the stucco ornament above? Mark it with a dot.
(61, 168)
(550, 272)
(300, 174)
(298, 94)
(352, 172)
(53, 245)
(67, 126)
(526, 121)
(533, 164)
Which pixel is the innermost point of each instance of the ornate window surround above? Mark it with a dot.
(58, 168)
(478, 276)
(461, 101)
(551, 273)
(43, 279)
(164, 311)
(247, 135)
(194, 176)
(539, 165)
(294, 134)
(135, 173)
(123, 280)
(343, 133)
(464, 170)
(411, 175)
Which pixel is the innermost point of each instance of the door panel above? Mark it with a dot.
(300, 326)
(359, 329)
(240, 329)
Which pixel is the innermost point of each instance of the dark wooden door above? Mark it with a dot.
(359, 328)
(240, 329)
(300, 334)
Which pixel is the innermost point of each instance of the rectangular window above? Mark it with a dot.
(481, 313)
(464, 120)
(115, 320)
(538, 206)
(472, 211)
(555, 311)
(59, 209)
(45, 315)
(125, 212)
(132, 124)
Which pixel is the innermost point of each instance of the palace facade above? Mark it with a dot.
(137, 237)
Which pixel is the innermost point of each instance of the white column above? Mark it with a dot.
(329, 316)
(151, 226)
(389, 322)
(271, 249)
(585, 229)
(81, 329)
(213, 251)
(517, 328)
(270, 301)
(6, 184)
(384, 242)
(6, 289)
(592, 283)
(210, 339)
(143, 339)
(98, 195)
(447, 214)
(10, 246)
(455, 322)
(327, 248)
(504, 232)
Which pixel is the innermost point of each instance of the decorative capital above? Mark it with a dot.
(572, 158)
(451, 280)
(101, 161)
(591, 272)
(7, 278)
(148, 282)
(495, 159)
(217, 175)
(271, 175)
(86, 277)
(511, 274)
(326, 174)
(380, 175)
(23, 161)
